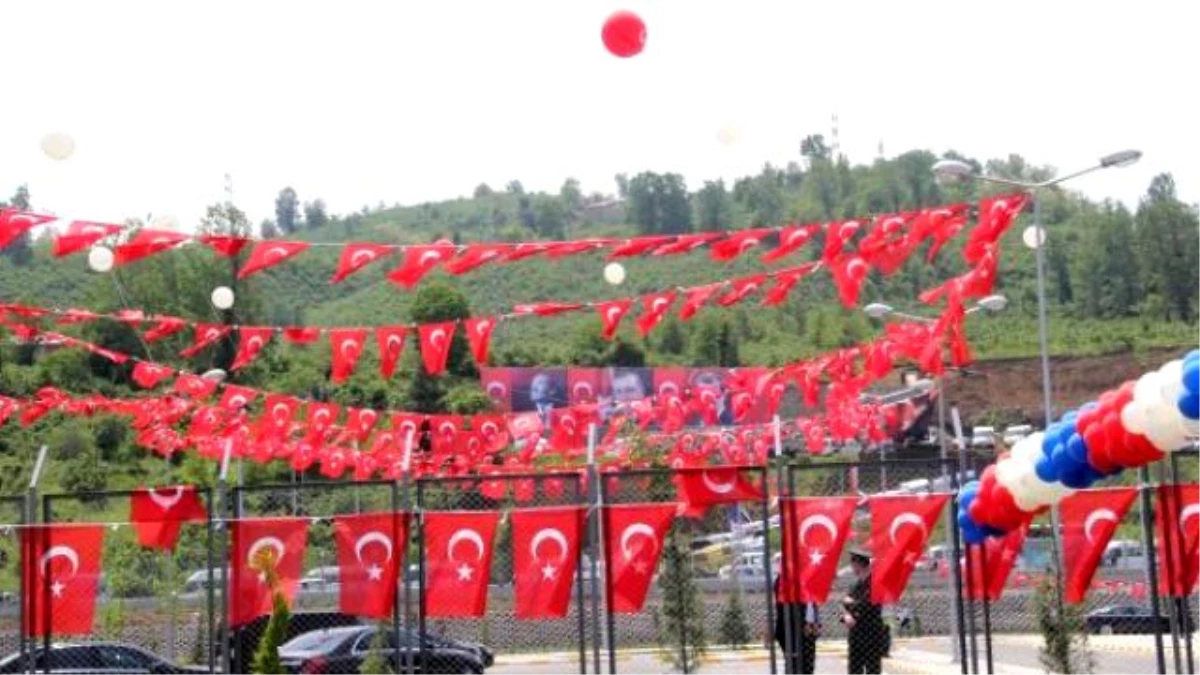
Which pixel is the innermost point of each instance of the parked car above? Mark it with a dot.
(1015, 433)
(244, 639)
(94, 657)
(1128, 619)
(343, 650)
(983, 437)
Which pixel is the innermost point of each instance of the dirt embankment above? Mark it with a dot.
(1009, 391)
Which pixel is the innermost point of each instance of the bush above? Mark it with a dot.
(1064, 638)
(735, 630)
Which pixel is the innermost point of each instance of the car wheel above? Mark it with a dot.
(468, 669)
(1107, 630)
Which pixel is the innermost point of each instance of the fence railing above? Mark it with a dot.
(713, 586)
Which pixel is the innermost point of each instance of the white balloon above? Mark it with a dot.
(58, 146)
(729, 134)
(222, 297)
(1033, 236)
(100, 259)
(1148, 388)
(1164, 427)
(1028, 449)
(614, 273)
(1133, 417)
(1008, 472)
(1171, 378)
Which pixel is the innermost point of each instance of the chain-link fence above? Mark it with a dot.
(12, 618)
(154, 607)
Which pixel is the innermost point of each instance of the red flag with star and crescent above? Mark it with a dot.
(814, 533)
(157, 514)
(346, 346)
(545, 557)
(1001, 556)
(391, 346)
(900, 527)
(1177, 526)
(357, 255)
(1089, 520)
(270, 253)
(61, 573)
(634, 536)
(278, 542)
(458, 554)
(479, 336)
(700, 489)
(370, 554)
(435, 345)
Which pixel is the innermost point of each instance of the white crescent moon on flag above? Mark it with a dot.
(488, 428)
(668, 388)
(1095, 517)
(429, 258)
(465, 535)
(906, 518)
(483, 327)
(353, 345)
(274, 543)
(60, 552)
(254, 344)
(394, 343)
(276, 253)
(237, 401)
(633, 530)
(552, 534)
(613, 313)
(437, 337)
(582, 390)
(321, 414)
(817, 520)
(497, 390)
(365, 256)
(281, 411)
(1190, 511)
(447, 429)
(374, 536)
(658, 304)
(165, 501)
(717, 488)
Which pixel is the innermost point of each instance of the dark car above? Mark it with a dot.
(244, 639)
(343, 650)
(1128, 619)
(95, 657)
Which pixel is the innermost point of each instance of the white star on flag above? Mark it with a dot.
(374, 573)
(641, 567)
(465, 572)
(549, 572)
(816, 557)
(57, 588)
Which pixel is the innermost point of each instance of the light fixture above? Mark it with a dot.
(877, 310)
(1121, 159)
(215, 374)
(951, 170)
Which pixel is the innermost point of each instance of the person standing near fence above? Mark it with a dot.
(801, 655)
(867, 633)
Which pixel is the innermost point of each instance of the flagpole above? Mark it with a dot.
(962, 468)
(594, 499)
(958, 636)
(404, 507)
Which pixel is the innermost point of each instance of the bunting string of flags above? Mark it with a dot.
(886, 242)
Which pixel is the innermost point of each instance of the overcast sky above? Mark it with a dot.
(412, 100)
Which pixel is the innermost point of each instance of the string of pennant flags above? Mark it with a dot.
(887, 241)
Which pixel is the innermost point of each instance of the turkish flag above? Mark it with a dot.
(583, 385)
(785, 281)
(234, 398)
(836, 236)
(526, 249)
(1089, 519)
(149, 375)
(900, 527)
(474, 257)
(321, 416)
(814, 533)
(194, 386)
(279, 410)
(158, 513)
(634, 536)
(700, 489)
(61, 574)
(257, 542)
(738, 243)
(545, 308)
(458, 555)
(497, 384)
(224, 244)
(639, 245)
(695, 298)
(81, 234)
(270, 253)
(996, 214)
(686, 243)
(360, 422)
(1177, 525)
(791, 239)
(479, 336)
(370, 554)
(611, 313)
(346, 346)
(418, 261)
(356, 256)
(1002, 554)
(545, 555)
(492, 429)
(568, 428)
(205, 335)
(165, 326)
(391, 346)
(741, 288)
(849, 274)
(14, 223)
(654, 307)
(443, 432)
(251, 341)
(301, 335)
(435, 345)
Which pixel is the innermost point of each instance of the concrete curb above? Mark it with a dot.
(750, 654)
(1096, 643)
(912, 662)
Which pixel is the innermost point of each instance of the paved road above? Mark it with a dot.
(649, 663)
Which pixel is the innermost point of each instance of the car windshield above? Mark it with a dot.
(316, 641)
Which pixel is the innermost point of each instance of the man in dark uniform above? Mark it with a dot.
(863, 619)
(801, 655)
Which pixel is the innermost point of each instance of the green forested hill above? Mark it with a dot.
(1119, 280)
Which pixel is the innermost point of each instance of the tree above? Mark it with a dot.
(481, 190)
(314, 214)
(550, 218)
(286, 208)
(514, 187)
(266, 655)
(735, 628)
(659, 204)
(764, 197)
(622, 185)
(715, 343)
(813, 147)
(714, 209)
(19, 251)
(268, 229)
(571, 196)
(1169, 248)
(435, 302)
(1064, 638)
(376, 660)
(681, 607)
(1107, 276)
(671, 338)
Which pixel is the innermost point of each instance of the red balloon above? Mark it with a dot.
(624, 34)
(1097, 447)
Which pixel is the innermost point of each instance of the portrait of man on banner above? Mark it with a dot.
(540, 390)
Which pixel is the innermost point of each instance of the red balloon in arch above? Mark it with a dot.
(624, 34)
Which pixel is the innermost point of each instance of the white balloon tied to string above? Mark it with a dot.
(614, 273)
(100, 259)
(57, 145)
(222, 297)
(1033, 236)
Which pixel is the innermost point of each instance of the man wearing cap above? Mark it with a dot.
(801, 624)
(863, 619)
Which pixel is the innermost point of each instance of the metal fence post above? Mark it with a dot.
(958, 639)
(783, 485)
(405, 505)
(1151, 562)
(209, 591)
(221, 499)
(769, 591)
(970, 608)
(420, 522)
(1184, 610)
